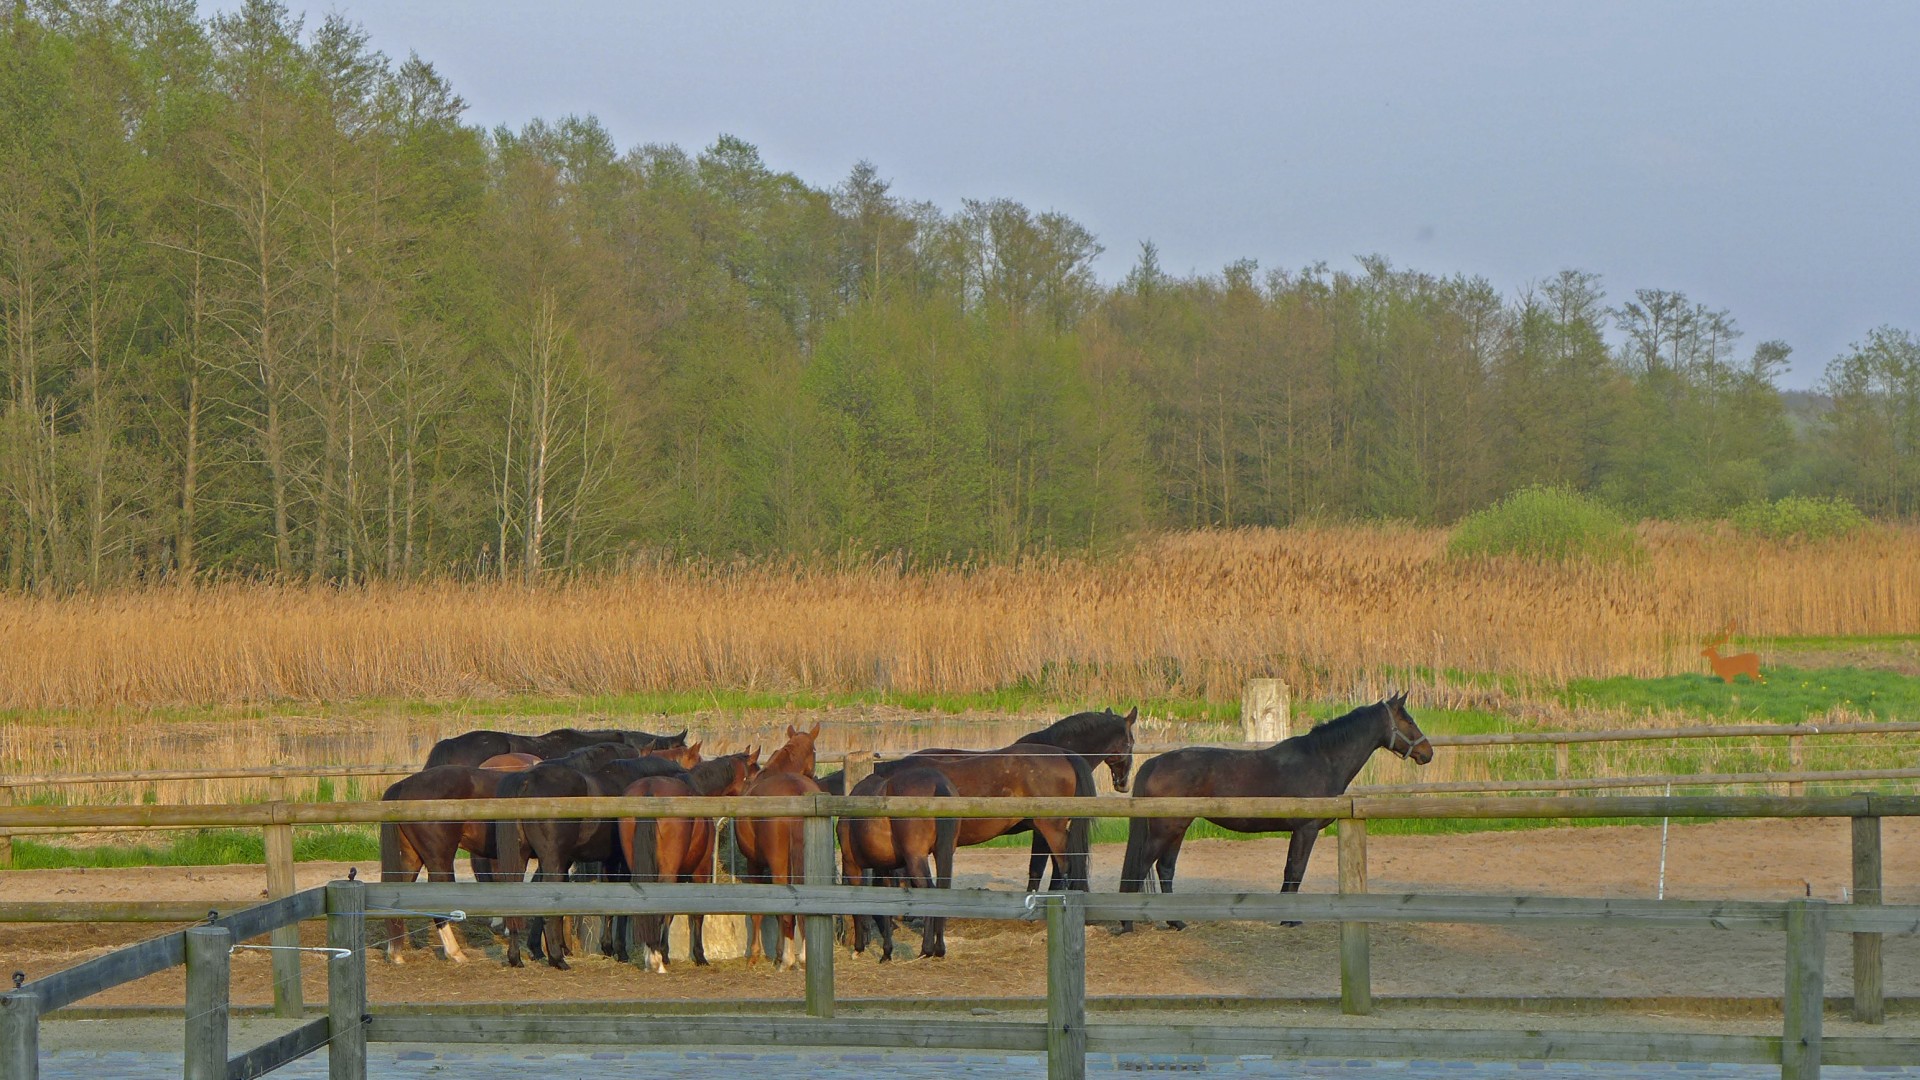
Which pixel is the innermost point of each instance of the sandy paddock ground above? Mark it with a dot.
(1728, 860)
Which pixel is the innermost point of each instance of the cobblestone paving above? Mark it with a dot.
(561, 1063)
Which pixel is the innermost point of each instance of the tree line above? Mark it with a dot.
(269, 307)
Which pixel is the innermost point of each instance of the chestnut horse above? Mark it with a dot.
(1032, 770)
(679, 849)
(774, 848)
(1318, 764)
(899, 849)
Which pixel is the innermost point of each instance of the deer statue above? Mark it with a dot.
(1727, 667)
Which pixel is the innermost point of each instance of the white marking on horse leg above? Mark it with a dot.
(451, 946)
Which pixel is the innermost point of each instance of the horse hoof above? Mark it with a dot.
(559, 965)
(1123, 928)
(1290, 923)
(1174, 924)
(514, 961)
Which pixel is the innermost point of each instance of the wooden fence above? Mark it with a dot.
(1804, 921)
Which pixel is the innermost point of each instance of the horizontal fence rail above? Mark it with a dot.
(256, 815)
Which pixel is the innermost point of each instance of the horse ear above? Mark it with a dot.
(791, 732)
(815, 733)
(696, 746)
(1133, 714)
(681, 739)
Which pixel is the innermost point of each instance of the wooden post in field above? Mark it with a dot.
(287, 1000)
(19, 1036)
(1066, 987)
(208, 1001)
(1562, 765)
(818, 839)
(1264, 712)
(859, 766)
(1796, 757)
(6, 835)
(347, 981)
(1356, 955)
(1869, 1006)
(1806, 989)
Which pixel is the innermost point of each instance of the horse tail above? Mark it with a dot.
(1138, 864)
(642, 852)
(393, 857)
(1080, 829)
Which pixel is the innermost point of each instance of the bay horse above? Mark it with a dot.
(1103, 737)
(558, 844)
(775, 848)
(1024, 770)
(900, 850)
(407, 847)
(679, 849)
(1318, 764)
(474, 747)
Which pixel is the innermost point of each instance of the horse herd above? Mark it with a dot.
(1056, 761)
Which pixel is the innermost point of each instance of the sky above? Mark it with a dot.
(1760, 157)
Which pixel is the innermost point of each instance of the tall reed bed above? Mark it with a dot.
(1337, 611)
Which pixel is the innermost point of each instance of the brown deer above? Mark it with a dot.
(1727, 667)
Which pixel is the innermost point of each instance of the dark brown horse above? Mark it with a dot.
(1318, 764)
(906, 851)
(679, 849)
(474, 747)
(558, 845)
(407, 847)
(1022, 770)
(774, 849)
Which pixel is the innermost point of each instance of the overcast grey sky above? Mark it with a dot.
(1761, 157)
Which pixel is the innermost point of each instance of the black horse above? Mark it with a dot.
(559, 845)
(474, 747)
(1318, 764)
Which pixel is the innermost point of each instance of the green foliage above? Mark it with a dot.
(512, 353)
(1800, 518)
(1544, 523)
(1789, 696)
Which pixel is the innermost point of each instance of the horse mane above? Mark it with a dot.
(712, 772)
(1327, 731)
(1079, 724)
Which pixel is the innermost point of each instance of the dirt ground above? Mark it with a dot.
(1728, 860)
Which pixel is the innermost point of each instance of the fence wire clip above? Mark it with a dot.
(456, 915)
(231, 949)
(19, 979)
(1034, 898)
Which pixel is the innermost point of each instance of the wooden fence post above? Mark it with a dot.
(208, 1001)
(347, 981)
(1562, 765)
(1806, 989)
(19, 1036)
(1869, 1006)
(1066, 987)
(819, 928)
(1796, 756)
(1356, 955)
(1264, 711)
(287, 999)
(859, 766)
(6, 835)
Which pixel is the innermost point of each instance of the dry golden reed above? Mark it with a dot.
(1335, 610)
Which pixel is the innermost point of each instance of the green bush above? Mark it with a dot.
(1545, 523)
(1800, 517)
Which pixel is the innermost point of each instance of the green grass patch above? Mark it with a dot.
(201, 847)
(1790, 695)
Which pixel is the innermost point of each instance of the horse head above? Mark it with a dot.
(796, 756)
(1404, 737)
(1119, 757)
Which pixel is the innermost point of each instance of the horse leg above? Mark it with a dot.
(1299, 850)
(1037, 865)
(399, 862)
(449, 944)
(1163, 868)
(919, 875)
(1053, 831)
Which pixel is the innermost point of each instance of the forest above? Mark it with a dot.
(271, 309)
